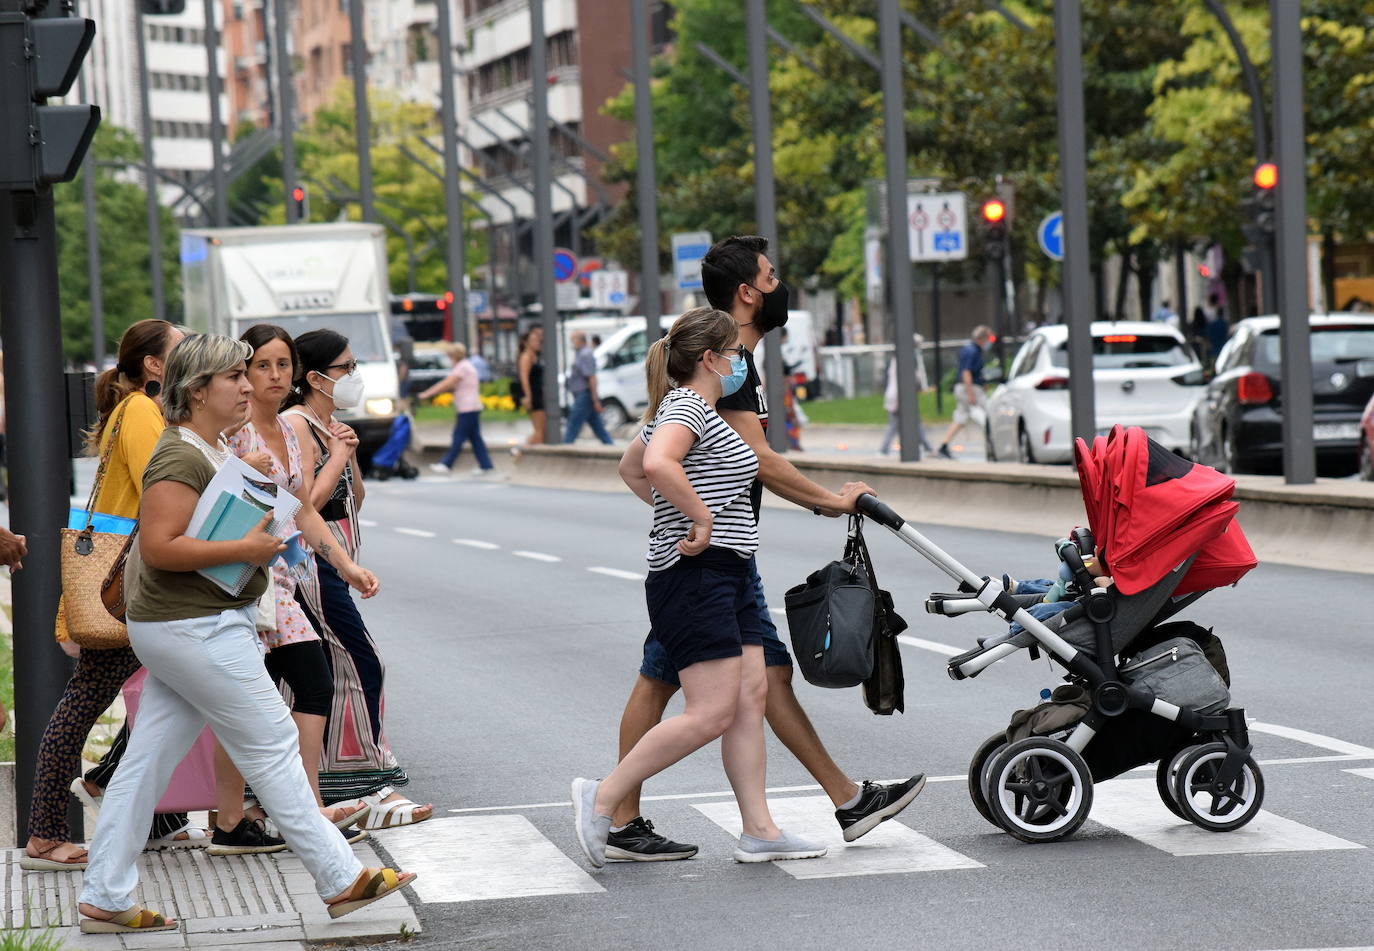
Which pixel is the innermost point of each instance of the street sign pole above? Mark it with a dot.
(760, 109)
(899, 251)
(217, 177)
(1299, 460)
(453, 199)
(286, 121)
(543, 222)
(96, 284)
(1078, 291)
(362, 114)
(650, 295)
(154, 207)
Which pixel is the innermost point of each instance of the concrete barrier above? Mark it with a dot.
(1329, 525)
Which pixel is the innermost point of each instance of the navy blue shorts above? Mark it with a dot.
(658, 663)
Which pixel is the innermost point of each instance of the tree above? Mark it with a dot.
(125, 268)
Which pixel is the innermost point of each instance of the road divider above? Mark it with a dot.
(1324, 526)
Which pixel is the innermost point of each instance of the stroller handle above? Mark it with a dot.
(879, 512)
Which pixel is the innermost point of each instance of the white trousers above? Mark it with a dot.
(209, 670)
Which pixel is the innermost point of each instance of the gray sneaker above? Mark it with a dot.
(785, 846)
(592, 829)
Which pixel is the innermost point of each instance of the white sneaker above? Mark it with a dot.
(440, 469)
(479, 472)
(785, 846)
(592, 829)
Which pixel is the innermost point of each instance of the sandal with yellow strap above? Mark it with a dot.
(136, 918)
(371, 885)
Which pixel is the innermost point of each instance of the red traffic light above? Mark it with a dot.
(441, 304)
(1266, 175)
(448, 296)
(1204, 271)
(994, 212)
(298, 193)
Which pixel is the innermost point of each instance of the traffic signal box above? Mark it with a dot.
(300, 201)
(994, 228)
(40, 144)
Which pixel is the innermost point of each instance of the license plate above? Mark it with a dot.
(1333, 431)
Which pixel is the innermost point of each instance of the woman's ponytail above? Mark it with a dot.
(656, 377)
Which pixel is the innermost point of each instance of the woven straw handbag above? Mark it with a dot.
(88, 559)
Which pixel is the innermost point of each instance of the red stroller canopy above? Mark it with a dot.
(1150, 510)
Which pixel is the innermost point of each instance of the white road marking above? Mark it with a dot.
(476, 543)
(1313, 739)
(1132, 806)
(617, 573)
(417, 532)
(1366, 773)
(367, 523)
(924, 644)
(536, 556)
(890, 848)
(476, 859)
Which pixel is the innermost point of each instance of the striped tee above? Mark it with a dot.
(721, 468)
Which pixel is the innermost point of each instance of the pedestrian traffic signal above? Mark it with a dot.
(300, 202)
(42, 144)
(994, 228)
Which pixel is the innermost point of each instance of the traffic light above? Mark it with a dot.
(42, 144)
(300, 201)
(1266, 178)
(994, 228)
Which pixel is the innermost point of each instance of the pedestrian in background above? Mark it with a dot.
(529, 379)
(127, 398)
(483, 368)
(970, 402)
(358, 762)
(200, 645)
(696, 473)
(1218, 328)
(893, 408)
(586, 405)
(462, 382)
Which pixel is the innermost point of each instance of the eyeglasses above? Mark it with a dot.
(348, 367)
(735, 350)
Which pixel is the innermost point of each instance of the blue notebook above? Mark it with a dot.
(231, 518)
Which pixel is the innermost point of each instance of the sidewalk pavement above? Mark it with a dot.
(248, 902)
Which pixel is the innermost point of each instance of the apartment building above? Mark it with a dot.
(248, 50)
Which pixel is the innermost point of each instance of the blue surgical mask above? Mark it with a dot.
(739, 371)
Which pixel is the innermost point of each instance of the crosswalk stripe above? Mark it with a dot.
(890, 848)
(1132, 806)
(476, 858)
(1313, 739)
(1366, 773)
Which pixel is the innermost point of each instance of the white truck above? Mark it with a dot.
(302, 277)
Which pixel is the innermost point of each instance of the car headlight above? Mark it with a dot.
(382, 407)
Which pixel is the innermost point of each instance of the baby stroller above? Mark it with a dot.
(1164, 530)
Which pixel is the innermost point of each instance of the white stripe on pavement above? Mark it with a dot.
(1366, 773)
(617, 573)
(476, 543)
(926, 645)
(417, 532)
(890, 848)
(482, 858)
(1313, 739)
(367, 523)
(536, 556)
(1132, 806)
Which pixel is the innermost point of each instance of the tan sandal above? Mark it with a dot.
(41, 862)
(368, 889)
(342, 819)
(136, 918)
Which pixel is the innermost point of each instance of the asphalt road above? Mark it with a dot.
(511, 653)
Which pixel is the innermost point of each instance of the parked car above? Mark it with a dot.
(1144, 374)
(1366, 457)
(429, 364)
(1239, 424)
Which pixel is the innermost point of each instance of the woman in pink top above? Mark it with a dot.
(462, 382)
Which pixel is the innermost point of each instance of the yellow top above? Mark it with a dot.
(138, 434)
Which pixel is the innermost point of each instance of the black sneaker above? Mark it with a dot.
(877, 803)
(638, 842)
(944, 453)
(354, 835)
(249, 837)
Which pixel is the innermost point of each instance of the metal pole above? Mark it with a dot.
(1181, 293)
(453, 199)
(96, 289)
(362, 114)
(543, 222)
(650, 294)
(30, 321)
(216, 129)
(935, 329)
(286, 108)
(1078, 282)
(150, 173)
(899, 251)
(1299, 459)
(760, 108)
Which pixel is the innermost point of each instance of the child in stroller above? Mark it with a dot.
(1140, 688)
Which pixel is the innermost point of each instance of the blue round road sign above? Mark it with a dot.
(1051, 235)
(564, 264)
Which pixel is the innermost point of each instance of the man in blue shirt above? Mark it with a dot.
(586, 406)
(970, 404)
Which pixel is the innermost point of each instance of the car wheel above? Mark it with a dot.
(1366, 461)
(988, 445)
(1024, 451)
(613, 414)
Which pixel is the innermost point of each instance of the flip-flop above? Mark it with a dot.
(196, 838)
(128, 921)
(79, 790)
(31, 863)
(386, 881)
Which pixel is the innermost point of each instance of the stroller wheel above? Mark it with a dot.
(1165, 775)
(978, 774)
(1217, 810)
(1039, 790)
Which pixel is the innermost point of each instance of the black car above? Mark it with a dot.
(1238, 424)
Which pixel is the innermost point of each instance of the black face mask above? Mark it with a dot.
(773, 314)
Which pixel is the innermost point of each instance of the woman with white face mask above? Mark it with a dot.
(327, 379)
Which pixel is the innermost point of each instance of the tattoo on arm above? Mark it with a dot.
(324, 550)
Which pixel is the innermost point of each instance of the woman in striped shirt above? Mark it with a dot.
(696, 472)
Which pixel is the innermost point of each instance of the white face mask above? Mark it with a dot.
(348, 390)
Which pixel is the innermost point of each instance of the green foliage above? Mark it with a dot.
(29, 939)
(125, 268)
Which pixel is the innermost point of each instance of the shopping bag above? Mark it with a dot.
(193, 781)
